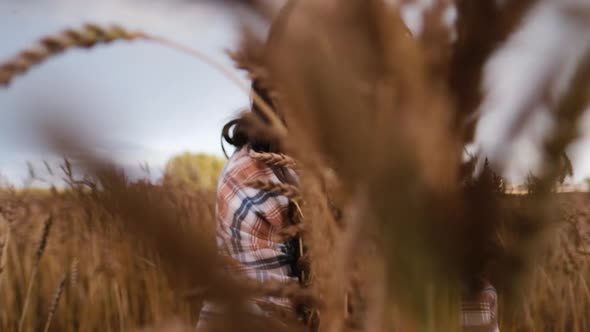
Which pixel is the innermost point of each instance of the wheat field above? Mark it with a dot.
(113, 283)
(395, 222)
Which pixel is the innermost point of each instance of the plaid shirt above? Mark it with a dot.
(247, 221)
(479, 310)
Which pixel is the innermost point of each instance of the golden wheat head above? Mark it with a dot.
(274, 159)
(86, 37)
(55, 302)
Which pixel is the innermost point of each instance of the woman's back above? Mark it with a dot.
(249, 221)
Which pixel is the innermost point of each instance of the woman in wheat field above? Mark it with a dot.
(249, 220)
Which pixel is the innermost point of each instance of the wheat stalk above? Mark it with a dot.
(289, 232)
(293, 291)
(91, 34)
(275, 122)
(290, 191)
(274, 159)
(74, 273)
(4, 253)
(43, 241)
(86, 37)
(38, 255)
(55, 302)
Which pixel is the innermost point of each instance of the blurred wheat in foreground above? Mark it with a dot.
(396, 226)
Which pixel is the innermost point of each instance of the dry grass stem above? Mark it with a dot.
(4, 243)
(55, 302)
(33, 276)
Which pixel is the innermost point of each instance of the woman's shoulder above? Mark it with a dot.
(242, 167)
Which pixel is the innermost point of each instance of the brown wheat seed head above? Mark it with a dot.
(274, 159)
(55, 302)
(86, 37)
(43, 240)
(4, 243)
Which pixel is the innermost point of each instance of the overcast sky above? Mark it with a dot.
(142, 102)
(145, 103)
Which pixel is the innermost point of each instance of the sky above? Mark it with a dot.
(142, 102)
(550, 43)
(139, 101)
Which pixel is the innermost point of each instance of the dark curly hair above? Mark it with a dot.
(237, 133)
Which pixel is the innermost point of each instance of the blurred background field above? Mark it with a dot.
(116, 284)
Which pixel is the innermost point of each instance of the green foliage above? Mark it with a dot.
(199, 171)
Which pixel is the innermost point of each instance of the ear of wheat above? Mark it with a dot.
(38, 255)
(91, 35)
(4, 243)
(292, 291)
(55, 302)
(74, 274)
(274, 159)
(87, 37)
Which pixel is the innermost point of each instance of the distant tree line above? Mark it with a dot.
(197, 170)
